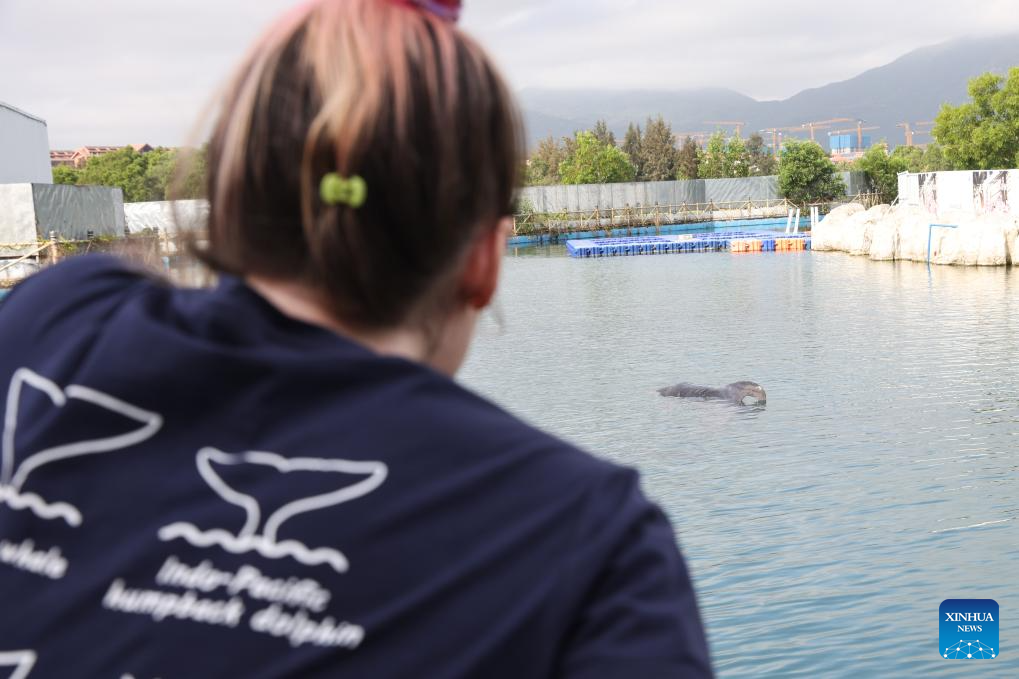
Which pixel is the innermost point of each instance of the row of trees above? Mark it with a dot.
(980, 134)
(142, 176)
(648, 154)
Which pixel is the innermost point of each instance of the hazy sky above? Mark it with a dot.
(129, 71)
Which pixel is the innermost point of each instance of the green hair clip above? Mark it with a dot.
(337, 190)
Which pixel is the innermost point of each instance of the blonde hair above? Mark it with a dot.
(370, 88)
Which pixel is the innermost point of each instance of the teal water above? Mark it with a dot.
(824, 529)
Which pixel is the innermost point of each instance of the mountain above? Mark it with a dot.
(911, 88)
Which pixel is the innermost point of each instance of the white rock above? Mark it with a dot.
(828, 234)
(902, 232)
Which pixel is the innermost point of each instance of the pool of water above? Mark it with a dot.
(824, 529)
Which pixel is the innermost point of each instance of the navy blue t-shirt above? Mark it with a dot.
(195, 485)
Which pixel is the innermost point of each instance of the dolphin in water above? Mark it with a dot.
(737, 392)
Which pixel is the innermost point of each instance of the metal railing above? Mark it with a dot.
(36, 251)
(146, 249)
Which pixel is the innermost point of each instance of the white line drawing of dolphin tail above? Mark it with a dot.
(21, 661)
(265, 541)
(12, 479)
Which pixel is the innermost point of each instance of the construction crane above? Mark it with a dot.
(859, 130)
(909, 132)
(908, 127)
(776, 133)
(823, 124)
(735, 123)
(924, 123)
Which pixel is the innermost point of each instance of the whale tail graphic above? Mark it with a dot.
(20, 662)
(260, 531)
(13, 474)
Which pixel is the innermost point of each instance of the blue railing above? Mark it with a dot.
(930, 232)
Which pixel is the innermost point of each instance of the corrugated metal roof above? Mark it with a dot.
(19, 111)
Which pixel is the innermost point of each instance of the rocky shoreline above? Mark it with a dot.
(902, 232)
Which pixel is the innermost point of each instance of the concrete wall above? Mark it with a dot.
(584, 197)
(24, 148)
(17, 214)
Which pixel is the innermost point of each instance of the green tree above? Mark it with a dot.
(543, 165)
(882, 171)
(64, 174)
(806, 174)
(688, 159)
(631, 147)
(762, 161)
(570, 145)
(125, 168)
(712, 162)
(737, 158)
(982, 134)
(159, 172)
(603, 134)
(910, 156)
(658, 150)
(188, 178)
(934, 159)
(595, 163)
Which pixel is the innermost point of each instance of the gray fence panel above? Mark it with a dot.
(655, 192)
(856, 182)
(691, 191)
(588, 196)
(531, 199)
(620, 194)
(576, 197)
(769, 187)
(558, 198)
(636, 194)
(73, 211)
(729, 190)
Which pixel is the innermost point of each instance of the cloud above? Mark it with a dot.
(124, 71)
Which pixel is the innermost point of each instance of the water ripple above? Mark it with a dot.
(880, 479)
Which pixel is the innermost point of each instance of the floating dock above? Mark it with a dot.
(722, 241)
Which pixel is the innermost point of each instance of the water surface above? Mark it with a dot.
(823, 530)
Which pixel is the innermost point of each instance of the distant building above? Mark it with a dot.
(85, 153)
(24, 148)
(62, 158)
(847, 147)
(81, 156)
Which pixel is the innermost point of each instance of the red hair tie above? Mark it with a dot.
(448, 10)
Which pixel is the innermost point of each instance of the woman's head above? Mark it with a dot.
(372, 89)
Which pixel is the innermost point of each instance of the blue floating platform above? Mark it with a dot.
(720, 241)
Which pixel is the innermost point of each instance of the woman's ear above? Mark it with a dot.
(483, 264)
